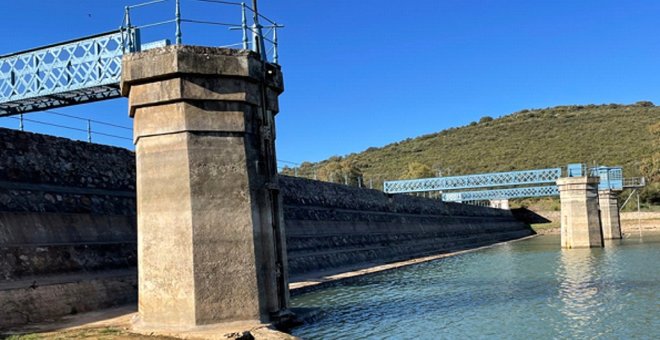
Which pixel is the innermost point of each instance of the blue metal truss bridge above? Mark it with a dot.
(89, 69)
(513, 184)
(73, 72)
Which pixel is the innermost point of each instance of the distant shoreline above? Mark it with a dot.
(630, 223)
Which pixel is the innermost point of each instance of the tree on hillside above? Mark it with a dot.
(286, 170)
(340, 170)
(331, 170)
(485, 119)
(418, 170)
(307, 170)
(351, 172)
(650, 167)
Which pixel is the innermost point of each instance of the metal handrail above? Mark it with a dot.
(634, 182)
(254, 28)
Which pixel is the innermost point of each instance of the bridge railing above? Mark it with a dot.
(89, 69)
(527, 177)
(262, 39)
(85, 69)
(496, 194)
(634, 182)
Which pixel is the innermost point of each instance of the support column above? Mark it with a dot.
(580, 220)
(210, 236)
(500, 204)
(609, 215)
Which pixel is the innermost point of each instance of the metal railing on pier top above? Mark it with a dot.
(88, 69)
(262, 39)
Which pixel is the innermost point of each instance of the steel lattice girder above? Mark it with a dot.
(526, 177)
(483, 195)
(70, 73)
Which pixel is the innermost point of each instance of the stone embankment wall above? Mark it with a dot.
(632, 222)
(68, 227)
(331, 226)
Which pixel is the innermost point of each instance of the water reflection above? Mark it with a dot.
(578, 290)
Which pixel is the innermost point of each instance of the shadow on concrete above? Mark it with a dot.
(529, 217)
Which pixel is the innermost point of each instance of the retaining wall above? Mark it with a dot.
(68, 227)
(331, 226)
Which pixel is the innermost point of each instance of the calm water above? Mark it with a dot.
(524, 290)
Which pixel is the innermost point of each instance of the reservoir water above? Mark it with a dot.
(530, 289)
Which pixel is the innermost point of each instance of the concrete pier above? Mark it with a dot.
(580, 220)
(500, 204)
(210, 236)
(609, 215)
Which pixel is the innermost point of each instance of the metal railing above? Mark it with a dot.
(88, 69)
(506, 193)
(253, 35)
(89, 128)
(526, 177)
(634, 182)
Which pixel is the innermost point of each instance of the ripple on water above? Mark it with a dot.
(520, 290)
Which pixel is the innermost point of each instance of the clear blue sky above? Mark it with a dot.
(368, 73)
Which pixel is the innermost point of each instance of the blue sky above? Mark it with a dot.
(368, 73)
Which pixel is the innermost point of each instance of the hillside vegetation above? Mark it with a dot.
(604, 134)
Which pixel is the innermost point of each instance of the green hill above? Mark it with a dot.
(604, 134)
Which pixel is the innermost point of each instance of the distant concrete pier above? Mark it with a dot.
(210, 241)
(580, 220)
(609, 215)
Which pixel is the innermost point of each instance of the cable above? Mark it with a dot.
(69, 128)
(86, 119)
(209, 22)
(287, 162)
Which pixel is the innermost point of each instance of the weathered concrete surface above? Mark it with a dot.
(67, 227)
(580, 220)
(310, 282)
(44, 298)
(332, 226)
(116, 323)
(609, 215)
(207, 240)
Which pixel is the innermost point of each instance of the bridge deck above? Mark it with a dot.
(526, 177)
(69, 73)
(513, 184)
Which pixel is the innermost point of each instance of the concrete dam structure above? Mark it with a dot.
(68, 227)
(330, 226)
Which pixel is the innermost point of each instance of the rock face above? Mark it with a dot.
(68, 226)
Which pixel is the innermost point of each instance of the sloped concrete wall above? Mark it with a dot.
(65, 206)
(67, 227)
(331, 226)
